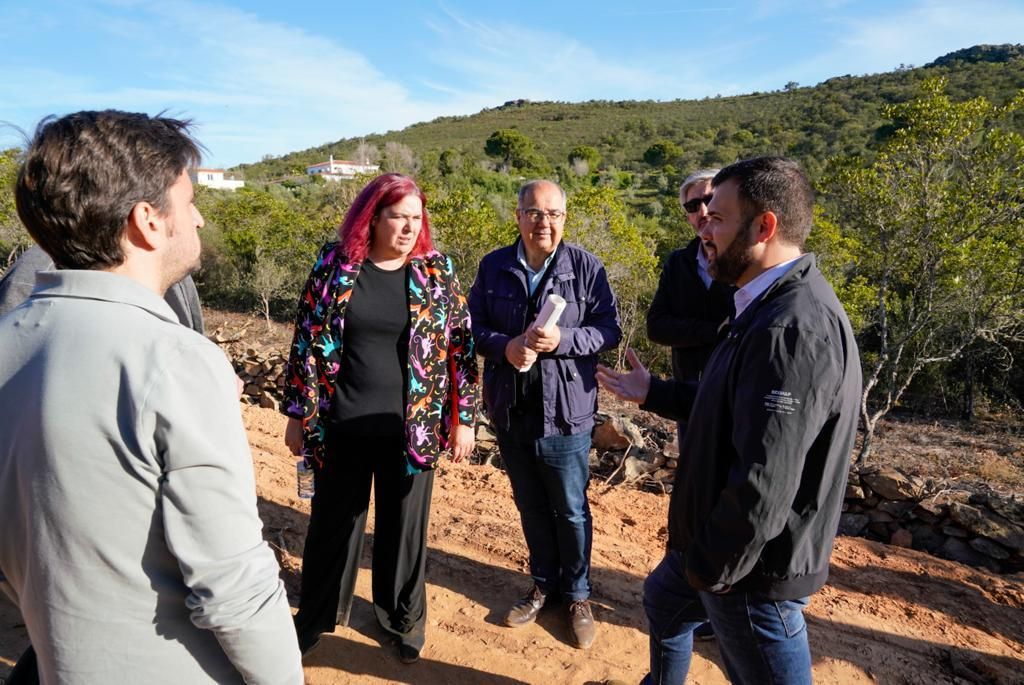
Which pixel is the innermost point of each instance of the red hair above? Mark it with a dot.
(381, 192)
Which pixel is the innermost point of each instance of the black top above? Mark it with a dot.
(371, 386)
(686, 314)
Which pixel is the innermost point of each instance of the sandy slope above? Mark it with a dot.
(888, 615)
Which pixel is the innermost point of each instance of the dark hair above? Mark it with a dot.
(773, 184)
(83, 173)
(381, 192)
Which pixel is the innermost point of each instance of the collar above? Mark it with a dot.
(521, 257)
(751, 291)
(84, 284)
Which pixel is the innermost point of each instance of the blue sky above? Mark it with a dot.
(265, 78)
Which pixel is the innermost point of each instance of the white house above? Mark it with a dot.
(336, 170)
(216, 178)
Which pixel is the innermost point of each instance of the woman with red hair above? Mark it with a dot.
(381, 380)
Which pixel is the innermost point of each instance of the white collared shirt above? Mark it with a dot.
(702, 267)
(533, 277)
(751, 291)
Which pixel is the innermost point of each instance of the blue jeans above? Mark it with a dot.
(761, 640)
(549, 479)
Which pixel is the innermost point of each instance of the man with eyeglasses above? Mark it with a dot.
(689, 307)
(540, 394)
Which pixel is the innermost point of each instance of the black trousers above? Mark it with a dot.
(334, 540)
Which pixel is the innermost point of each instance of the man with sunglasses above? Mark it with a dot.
(540, 394)
(689, 307)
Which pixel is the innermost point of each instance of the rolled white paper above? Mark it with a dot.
(548, 317)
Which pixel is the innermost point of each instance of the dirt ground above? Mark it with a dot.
(888, 615)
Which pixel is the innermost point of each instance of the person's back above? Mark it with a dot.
(91, 501)
(131, 542)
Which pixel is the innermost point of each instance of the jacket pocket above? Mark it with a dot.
(580, 386)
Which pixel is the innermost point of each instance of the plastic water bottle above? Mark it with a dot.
(304, 477)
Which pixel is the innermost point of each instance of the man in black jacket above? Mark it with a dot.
(757, 499)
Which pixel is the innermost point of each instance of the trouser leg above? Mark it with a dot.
(402, 510)
(762, 641)
(673, 611)
(334, 542)
(563, 464)
(26, 669)
(518, 453)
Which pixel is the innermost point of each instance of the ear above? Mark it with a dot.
(767, 226)
(145, 228)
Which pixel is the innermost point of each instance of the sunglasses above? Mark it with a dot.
(693, 205)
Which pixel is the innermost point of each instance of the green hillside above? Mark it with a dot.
(840, 116)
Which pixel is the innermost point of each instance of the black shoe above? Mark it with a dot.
(408, 654)
(525, 610)
(704, 632)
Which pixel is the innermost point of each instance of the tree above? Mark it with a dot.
(586, 154)
(515, 150)
(663, 152)
(597, 219)
(940, 218)
(13, 237)
(467, 228)
(399, 158)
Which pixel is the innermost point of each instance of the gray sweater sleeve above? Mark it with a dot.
(211, 524)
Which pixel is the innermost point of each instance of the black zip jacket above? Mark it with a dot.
(685, 315)
(757, 498)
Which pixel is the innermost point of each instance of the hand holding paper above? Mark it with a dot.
(544, 335)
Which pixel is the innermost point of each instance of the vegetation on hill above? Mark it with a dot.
(919, 224)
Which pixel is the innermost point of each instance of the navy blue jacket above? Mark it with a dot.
(498, 304)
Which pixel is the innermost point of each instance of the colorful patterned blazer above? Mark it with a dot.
(442, 367)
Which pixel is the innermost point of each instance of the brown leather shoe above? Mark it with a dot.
(582, 628)
(525, 610)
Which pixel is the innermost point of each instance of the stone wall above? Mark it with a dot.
(946, 519)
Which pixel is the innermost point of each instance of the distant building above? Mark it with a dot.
(337, 170)
(216, 178)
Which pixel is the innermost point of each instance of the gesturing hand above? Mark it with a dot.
(632, 386)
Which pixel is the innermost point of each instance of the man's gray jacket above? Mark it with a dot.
(130, 536)
(17, 283)
(756, 502)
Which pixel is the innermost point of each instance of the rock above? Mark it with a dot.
(252, 389)
(879, 531)
(955, 532)
(1010, 508)
(484, 436)
(878, 516)
(852, 524)
(672, 463)
(870, 501)
(854, 491)
(927, 538)
(251, 367)
(895, 509)
(987, 524)
(268, 401)
(618, 432)
(931, 511)
(655, 459)
(989, 548)
(957, 550)
(671, 449)
(634, 468)
(664, 475)
(891, 484)
(594, 459)
(902, 538)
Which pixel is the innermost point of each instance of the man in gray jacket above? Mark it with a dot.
(131, 541)
(757, 499)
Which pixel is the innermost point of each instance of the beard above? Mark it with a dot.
(730, 264)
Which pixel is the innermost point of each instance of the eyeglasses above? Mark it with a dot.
(693, 205)
(536, 215)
